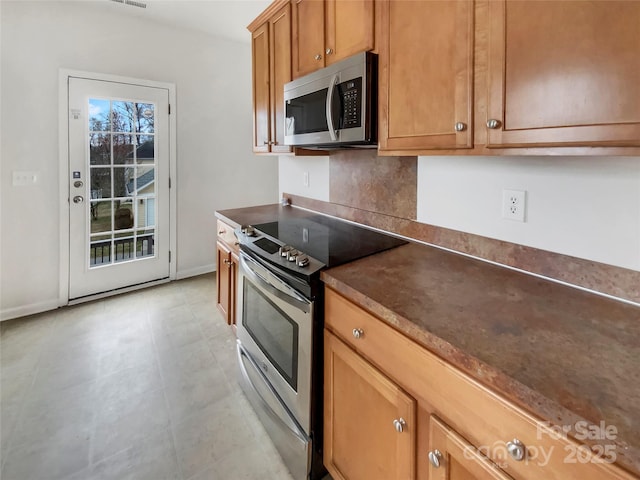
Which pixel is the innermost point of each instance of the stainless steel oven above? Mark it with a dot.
(275, 335)
(280, 322)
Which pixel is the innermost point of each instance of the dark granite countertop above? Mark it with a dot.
(562, 354)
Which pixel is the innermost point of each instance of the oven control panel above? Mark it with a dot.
(279, 254)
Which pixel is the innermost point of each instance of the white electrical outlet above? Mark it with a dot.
(514, 205)
(305, 179)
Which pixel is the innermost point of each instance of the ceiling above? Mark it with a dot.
(226, 18)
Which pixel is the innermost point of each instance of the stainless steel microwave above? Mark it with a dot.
(335, 107)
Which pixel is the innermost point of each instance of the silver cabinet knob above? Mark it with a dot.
(435, 457)
(318, 56)
(78, 199)
(328, 51)
(460, 127)
(78, 183)
(399, 424)
(493, 123)
(226, 261)
(220, 232)
(357, 333)
(516, 449)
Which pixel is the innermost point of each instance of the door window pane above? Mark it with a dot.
(100, 212)
(122, 117)
(145, 180)
(145, 152)
(122, 181)
(100, 182)
(99, 149)
(145, 117)
(99, 115)
(144, 243)
(123, 149)
(123, 248)
(123, 216)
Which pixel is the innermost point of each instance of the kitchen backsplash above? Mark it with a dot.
(381, 192)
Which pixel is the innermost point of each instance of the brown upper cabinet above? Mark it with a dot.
(426, 75)
(271, 56)
(467, 77)
(324, 32)
(563, 73)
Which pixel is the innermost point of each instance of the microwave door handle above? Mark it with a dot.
(328, 109)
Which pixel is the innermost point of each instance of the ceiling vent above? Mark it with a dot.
(133, 3)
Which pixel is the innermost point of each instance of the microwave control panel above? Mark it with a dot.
(351, 94)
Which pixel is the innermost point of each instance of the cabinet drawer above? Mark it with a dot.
(226, 235)
(487, 420)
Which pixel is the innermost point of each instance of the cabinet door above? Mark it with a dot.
(455, 459)
(348, 27)
(260, 54)
(280, 36)
(223, 281)
(426, 75)
(564, 73)
(361, 441)
(307, 46)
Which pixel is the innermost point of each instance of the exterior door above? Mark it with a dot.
(118, 185)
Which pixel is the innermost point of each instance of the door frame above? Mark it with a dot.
(63, 171)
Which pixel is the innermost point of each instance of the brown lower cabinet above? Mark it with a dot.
(393, 410)
(226, 272)
(369, 421)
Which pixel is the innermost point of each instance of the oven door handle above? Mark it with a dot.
(329, 107)
(294, 428)
(290, 296)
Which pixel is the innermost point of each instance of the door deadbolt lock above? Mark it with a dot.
(78, 183)
(78, 199)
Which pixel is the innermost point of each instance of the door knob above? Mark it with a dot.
(78, 199)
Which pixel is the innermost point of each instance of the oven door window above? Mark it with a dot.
(275, 333)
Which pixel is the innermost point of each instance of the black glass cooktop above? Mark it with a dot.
(330, 241)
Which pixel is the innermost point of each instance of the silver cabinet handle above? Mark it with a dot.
(318, 57)
(399, 424)
(357, 333)
(220, 232)
(460, 127)
(516, 449)
(493, 123)
(435, 457)
(328, 51)
(78, 199)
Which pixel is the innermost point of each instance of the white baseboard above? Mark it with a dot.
(24, 310)
(192, 272)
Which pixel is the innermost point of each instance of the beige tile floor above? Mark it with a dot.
(138, 386)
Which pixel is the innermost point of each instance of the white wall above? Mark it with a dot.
(216, 169)
(587, 207)
(292, 176)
